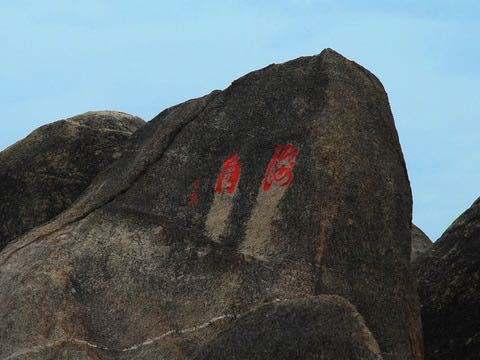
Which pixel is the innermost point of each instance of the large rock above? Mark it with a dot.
(324, 327)
(45, 172)
(289, 183)
(449, 288)
(421, 243)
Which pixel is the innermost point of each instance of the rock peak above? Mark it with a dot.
(288, 185)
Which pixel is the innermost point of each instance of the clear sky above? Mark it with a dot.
(61, 58)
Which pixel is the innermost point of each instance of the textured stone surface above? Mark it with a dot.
(420, 242)
(45, 172)
(288, 184)
(449, 289)
(324, 327)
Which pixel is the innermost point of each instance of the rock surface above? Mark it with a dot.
(325, 327)
(45, 172)
(449, 289)
(290, 183)
(421, 243)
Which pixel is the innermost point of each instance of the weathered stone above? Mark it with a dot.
(45, 172)
(449, 289)
(420, 242)
(290, 183)
(324, 327)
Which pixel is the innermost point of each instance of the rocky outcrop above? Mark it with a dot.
(420, 242)
(324, 327)
(449, 289)
(45, 172)
(288, 184)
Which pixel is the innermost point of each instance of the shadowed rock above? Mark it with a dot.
(45, 172)
(449, 289)
(324, 327)
(290, 183)
(420, 242)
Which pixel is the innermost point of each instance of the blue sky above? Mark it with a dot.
(61, 58)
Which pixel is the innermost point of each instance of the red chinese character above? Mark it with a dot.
(229, 175)
(194, 197)
(280, 168)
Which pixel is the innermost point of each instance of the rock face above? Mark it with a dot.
(288, 184)
(420, 242)
(45, 172)
(324, 327)
(449, 289)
